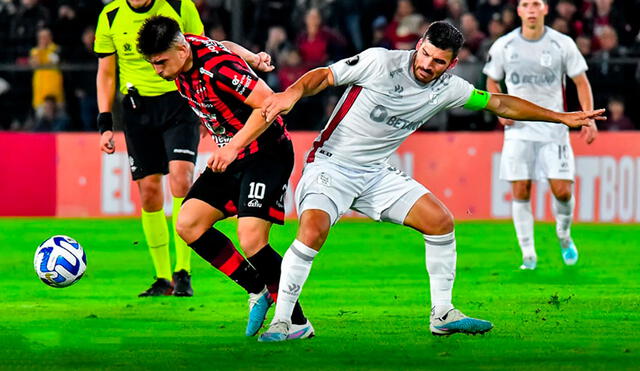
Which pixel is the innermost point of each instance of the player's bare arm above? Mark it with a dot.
(260, 61)
(493, 86)
(512, 107)
(253, 128)
(311, 83)
(106, 87)
(585, 96)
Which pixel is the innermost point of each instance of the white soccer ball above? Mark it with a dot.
(60, 261)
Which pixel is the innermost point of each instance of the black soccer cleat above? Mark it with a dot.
(161, 287)
(182, 283)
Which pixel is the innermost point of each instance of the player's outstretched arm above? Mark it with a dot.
(260, 61)
(252, 129)
(311, 83)
(493, 87)
(512, 107)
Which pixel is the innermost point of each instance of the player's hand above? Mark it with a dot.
(278, 104)
(220, 159)
(107, 145)
(505, 122)
(263, 62)
(582, 118)
(589, 132)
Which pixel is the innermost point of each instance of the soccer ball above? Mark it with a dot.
(60, 261)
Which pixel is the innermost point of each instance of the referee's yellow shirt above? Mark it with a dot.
(117, 32)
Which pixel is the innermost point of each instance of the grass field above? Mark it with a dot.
(367, 298)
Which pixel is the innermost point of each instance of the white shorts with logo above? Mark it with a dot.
(385, 194)
(526, 159)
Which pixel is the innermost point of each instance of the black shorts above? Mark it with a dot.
(158, 130)
(255, 188)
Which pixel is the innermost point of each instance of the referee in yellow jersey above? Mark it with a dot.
(161, 131)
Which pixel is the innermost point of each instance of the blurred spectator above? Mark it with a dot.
(378, 38)
(409, 31)
(472, 35)
(290, 69)
(455, 10)
(606, 15)
(509, 18)
(496, 29)
(67, 30)
(80, 84)
(566, 10)
(616, 119)
(7, 12)
(50, 117)
(404, 9)
(584, 45)
(24, 26)
(267, 13)
(486, 10)
(5, 118)
(561, 25)
(217, 32)
(318, 44)
(348, 15)
(277, 43)
(47, 78)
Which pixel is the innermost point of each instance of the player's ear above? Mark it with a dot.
(453, 63)
(419, 44)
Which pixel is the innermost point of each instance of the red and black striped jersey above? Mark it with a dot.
(216, 87)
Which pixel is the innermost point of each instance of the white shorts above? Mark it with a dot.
(525, 159)
(386, 194)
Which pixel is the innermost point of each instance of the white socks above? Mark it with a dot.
(564, 215)
(296, 265)
(523, 222)
(440, 252)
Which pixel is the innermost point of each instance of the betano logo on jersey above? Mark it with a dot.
(532, 79)
(381, 114)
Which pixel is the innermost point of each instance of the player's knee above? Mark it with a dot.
(563, 195)
(251, 240)
(313, 232)
(188, 228)
(444, 224)
(151, 196)
(180, 185)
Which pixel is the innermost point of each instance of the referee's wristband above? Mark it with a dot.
(105, 122)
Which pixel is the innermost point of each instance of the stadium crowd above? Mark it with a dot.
(47, 65)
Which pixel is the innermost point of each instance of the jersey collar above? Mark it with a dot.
(144, 9)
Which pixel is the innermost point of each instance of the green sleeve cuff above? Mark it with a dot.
(478, 100)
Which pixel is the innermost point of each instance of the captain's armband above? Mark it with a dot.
(478, 100)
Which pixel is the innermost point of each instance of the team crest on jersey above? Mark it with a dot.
(545, 59)
(353, 60)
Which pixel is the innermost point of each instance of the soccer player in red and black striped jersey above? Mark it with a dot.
(247, 174)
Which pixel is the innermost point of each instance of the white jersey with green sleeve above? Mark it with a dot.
(117, 32)
(382, 106)
(536, 71)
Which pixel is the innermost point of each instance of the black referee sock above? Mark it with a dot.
(218, 250)
(267, 261)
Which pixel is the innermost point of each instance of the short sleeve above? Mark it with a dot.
(574, 61)
(459, 92)
(191, 18)
(354, 70)
(494, 66)
(233, 76)
(103, 44)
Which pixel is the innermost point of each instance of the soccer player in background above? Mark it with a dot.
(390, 94)
(533, 61)
(161, 131)
(247, 174)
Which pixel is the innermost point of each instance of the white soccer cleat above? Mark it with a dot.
(304, 331)
(278, 331)
(529, 263)
(455, 322)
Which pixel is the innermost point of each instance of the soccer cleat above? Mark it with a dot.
(454, 321)
(258, 306)
(569, 251)
(182, 283)
(278, 331)
(529, 263)
(304, 331)
(161, 287)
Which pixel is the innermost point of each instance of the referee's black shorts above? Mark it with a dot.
(253, 187)
(158, 130)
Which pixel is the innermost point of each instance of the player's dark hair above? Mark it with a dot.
(157, 35)
(443, 35)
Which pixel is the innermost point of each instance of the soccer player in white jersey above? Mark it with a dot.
(533, 61)
(390, 94)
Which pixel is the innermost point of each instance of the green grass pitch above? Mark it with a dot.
(367, 297)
